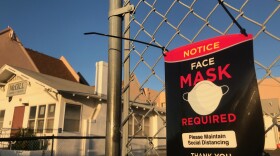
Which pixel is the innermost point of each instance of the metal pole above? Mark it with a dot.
(126, 80)
(114, 83)
(52, 145)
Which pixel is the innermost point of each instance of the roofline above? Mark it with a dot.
(15, 71)
(70, 68)
(95, 96)
(21, 47)
(31, 79)
(29, 58)
(5, 30)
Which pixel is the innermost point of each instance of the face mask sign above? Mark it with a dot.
(205, 97)
(212, 100)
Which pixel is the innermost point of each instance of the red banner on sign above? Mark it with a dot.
(205, 47)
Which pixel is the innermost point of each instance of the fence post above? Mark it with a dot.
(114, 82)
(126, 81)
(52, 145)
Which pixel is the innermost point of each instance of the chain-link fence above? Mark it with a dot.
(24, 142)
(27, 142)
(173, 23)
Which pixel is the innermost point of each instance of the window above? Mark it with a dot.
(134, 124)
(72, 118)
(163, 104)
(32, 116)
(42, 117)
(146, 126)
(137, 125)
(2, 115)
(50, 118)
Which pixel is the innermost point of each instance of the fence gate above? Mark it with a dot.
(166, 24)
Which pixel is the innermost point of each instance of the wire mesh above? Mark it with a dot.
(173, 23)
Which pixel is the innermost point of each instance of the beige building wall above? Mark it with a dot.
(270, 88)
(35, 95)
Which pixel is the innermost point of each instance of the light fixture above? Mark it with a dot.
(25, 104)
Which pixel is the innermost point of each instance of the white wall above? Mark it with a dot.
(101, 76)
(35, 95)
(77, 146)
(97, 127)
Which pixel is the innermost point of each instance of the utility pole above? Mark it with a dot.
(114, 81)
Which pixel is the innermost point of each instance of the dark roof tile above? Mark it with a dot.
(50, 65)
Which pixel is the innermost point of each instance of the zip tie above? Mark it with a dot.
(242, 30)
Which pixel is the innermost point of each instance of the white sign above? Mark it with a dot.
(214, 139)
(17, 88)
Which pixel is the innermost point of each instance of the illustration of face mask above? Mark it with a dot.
(205, 97)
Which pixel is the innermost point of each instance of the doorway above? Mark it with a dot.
(17, 119)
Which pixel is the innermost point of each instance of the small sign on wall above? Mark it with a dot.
(212, 100)
(16, 88)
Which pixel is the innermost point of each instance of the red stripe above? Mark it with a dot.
(205, 47)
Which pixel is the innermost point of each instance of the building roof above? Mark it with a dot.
(47, 81)
(145, 98)
(50, 65)
(14, 53)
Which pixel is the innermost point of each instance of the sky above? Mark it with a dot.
(57, 27)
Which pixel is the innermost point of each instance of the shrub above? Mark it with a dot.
(26, 144)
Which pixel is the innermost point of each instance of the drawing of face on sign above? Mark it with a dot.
(205, 97)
